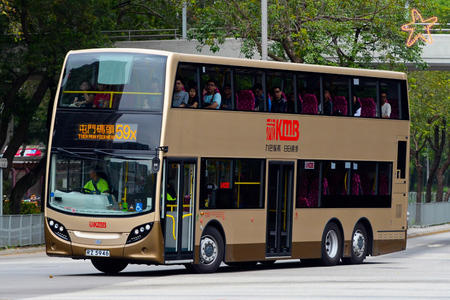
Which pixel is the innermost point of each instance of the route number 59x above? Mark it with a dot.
(126, 132)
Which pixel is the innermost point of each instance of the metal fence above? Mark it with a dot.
(21, 230)
(426, 214)
(141, 35)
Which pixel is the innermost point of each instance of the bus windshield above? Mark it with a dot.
(85, 185)
(113, 82)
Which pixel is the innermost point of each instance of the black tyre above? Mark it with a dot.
(331, 245)
(359, 245)
(110, 266)
(211, 251)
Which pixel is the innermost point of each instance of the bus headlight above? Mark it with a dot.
(139, 232)
(58, 229)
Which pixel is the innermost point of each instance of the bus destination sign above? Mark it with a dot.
(118, 132)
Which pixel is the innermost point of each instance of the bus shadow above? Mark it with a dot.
(224, 269)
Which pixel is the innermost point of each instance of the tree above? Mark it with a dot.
(334, 32)
(146, 14)
(430, 105)
(35, 37)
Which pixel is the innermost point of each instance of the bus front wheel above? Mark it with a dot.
(110, 266)
(211, 251)
(359, 245)
(331, 245)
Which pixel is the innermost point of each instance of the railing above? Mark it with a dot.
(21, 230)
(426, 214)
(151, 34)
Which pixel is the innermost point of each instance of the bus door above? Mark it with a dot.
(178, 193)
(279, 209)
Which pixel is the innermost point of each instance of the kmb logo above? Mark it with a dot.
(282, 130)
(97, 224)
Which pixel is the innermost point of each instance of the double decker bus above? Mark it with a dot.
(269, 176)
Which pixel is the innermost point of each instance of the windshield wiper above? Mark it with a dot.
(75, 154)
(115, 155)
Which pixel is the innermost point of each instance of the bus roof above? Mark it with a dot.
(241, 62)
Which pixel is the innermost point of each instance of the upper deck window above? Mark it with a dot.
(291, 92)
(113, 81)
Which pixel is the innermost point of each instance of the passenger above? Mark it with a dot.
(171, 197)
(212, 99)
(96, 185)
(180, 97)
(226, 97)
(385, 107)
(279, 104)
(327, 104)
(259, 97)
(84, 99)
(171, 194)
(193, 98)
(101, 100)
(356, 107)
(154, 100)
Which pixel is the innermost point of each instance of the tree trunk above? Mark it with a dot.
(437, 143)
(419, 170)
(20, 133)
(24, 184)
(440, 186)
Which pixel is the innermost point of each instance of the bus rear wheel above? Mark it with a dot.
(110, 266)
(331, 245)
(211, 251)
(359, 246)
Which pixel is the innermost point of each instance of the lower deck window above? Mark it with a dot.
(335, 184)
(232, 183)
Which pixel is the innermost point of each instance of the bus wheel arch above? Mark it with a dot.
(332, 243)
(212, 248)
(360, 243)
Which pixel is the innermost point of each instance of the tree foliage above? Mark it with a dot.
(34, 39)
(147, 14)
(333, 32)
(430, 108)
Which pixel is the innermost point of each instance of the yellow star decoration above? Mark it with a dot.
(417, 18)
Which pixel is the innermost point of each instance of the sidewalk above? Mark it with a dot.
(418, 231)
(20, 250)
(412, 232)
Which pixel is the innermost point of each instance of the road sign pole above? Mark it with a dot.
(3, 165)
(1, 192)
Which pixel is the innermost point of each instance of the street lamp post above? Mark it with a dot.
(264, 29)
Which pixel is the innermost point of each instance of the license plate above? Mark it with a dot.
(102, 253)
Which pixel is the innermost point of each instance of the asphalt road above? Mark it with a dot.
(420, 272)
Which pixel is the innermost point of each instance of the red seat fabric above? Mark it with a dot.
(340, 106)
(302, 193)
(245, 100)
(309, 104)
(366, 184)
(356, 185)
(368, 108)
(313, 196)
(383, 185)
(394, 108)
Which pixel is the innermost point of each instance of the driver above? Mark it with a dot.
(96, 185)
